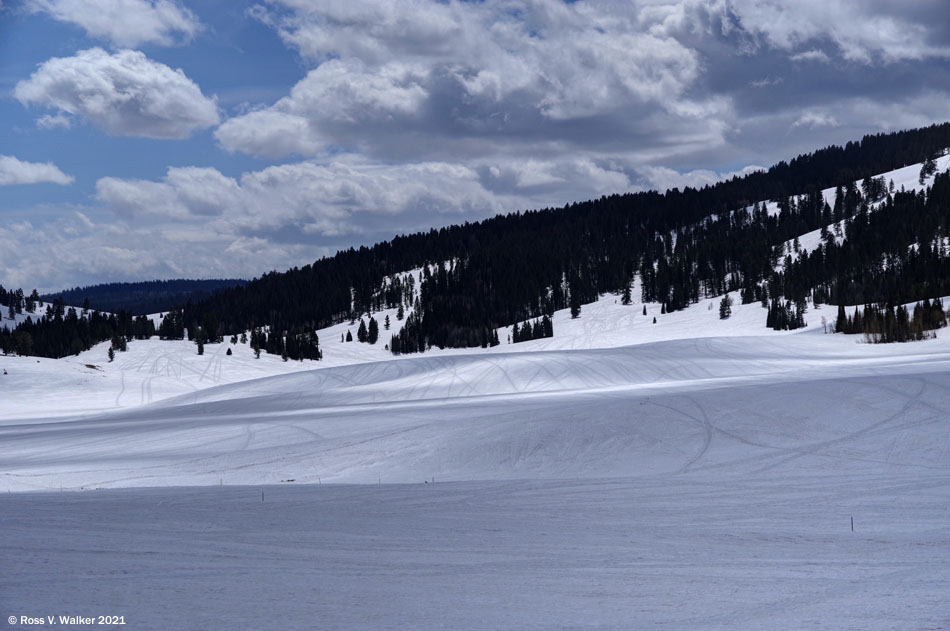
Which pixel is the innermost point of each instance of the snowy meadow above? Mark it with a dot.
(700, 483)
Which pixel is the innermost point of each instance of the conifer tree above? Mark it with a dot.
(373, 333)
(361, 333)
(725, 307)
(841, 322)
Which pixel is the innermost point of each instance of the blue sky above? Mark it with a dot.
(145, 139)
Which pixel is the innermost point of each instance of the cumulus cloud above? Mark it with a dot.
(438, 76)
(14, 171)
(318, 201)
(125, 23)
(863, 31)
(123, 93)
(185, 192)
(337, 93)
(416, 80)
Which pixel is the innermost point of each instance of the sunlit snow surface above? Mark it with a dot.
(705, 483)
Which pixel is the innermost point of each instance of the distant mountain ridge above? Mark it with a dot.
(143, 297)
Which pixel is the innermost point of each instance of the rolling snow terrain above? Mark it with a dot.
(695, 473)
(702, 483)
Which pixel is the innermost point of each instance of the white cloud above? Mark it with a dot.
(336, 93)
(429, 75)
(126, 23)
(185, 193)
(57, 121)
(14, 171)
(663, 178)
(814, 55)
(78, 248)
(123, 93)
(816, 119)
(270, 133)
(766, 82)
(349, 196)
(863, 31)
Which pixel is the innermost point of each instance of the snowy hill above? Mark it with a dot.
(477, 416)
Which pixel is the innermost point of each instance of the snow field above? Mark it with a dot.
(773, 551)
(543, 414)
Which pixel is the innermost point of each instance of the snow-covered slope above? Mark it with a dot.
(695, 484)
(626, 411)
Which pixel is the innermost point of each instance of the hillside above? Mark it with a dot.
(145, 297)
(682, 246)
(800, 233)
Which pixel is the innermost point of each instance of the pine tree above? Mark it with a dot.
(111, 354)
(725, 307)
(386, 323)
(361, 333)
(841, 322)
(31, 301)
(626, 298)
(927, 169)
(644, 309)
(349, 336)
(373, 334)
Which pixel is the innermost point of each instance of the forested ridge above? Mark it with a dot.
(152, 296)
(878, 245)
